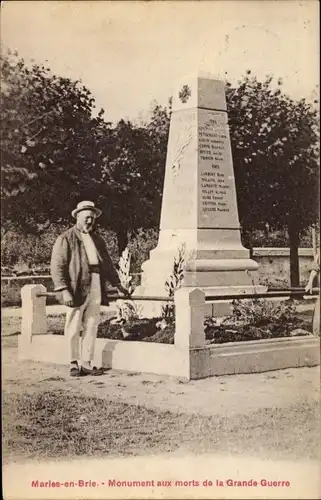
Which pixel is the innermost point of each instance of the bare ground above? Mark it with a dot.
(270, 415)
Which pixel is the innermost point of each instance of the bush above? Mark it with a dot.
(138, 329)
(259, 312)
(280, 239)
(254, 320)
(11, 291)
(243, 326)
(111, 242)
(139, 246)
(29, 253)
(26, 253)
(173, 283)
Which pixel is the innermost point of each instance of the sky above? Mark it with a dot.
(129, 53)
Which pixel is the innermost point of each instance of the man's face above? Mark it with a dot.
(86, 220)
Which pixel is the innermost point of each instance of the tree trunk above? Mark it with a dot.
(294, 241)
(122, 239)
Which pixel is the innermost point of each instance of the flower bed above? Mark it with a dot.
(251, 320)
(148, 330)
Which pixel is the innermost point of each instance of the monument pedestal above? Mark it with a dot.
(199, 206)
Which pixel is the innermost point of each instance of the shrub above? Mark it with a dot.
(127, 310)
(26, 253)
(255, 319)
(29, 250)
(173, 283)
(280, 238)
(140, 244)
(11, 291)
(260, 312)
(111, 242)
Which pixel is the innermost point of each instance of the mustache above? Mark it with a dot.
(89, 225)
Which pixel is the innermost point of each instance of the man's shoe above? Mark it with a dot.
(94, 371)
(74, 371)
(85, 371)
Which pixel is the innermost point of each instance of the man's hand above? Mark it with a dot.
(309, 286)
(67, 298)
(123, 290)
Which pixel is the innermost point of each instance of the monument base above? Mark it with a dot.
(217, 309)
(232, 276)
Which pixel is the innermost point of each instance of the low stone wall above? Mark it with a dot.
(274, 265)
(189, 357)
(254, 356)
(274, 268)
(142, 357)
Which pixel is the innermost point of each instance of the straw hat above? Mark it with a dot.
(86, 205)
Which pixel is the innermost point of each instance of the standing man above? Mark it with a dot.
(80, 267)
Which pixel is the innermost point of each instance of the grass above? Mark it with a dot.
(58, 424)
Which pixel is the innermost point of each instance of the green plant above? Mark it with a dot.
(140, 243)
(255, 320)
(127, 310)
(22, 248)
(124, 269)
(260, 312)
(174, 282)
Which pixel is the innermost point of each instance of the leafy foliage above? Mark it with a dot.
(56, 152)
(260, 312)
(173, 283)
(127, 310)
(275, 143)
(140, 243)
(133, 172)
(124, 269)
(254, 320)
(52, 146)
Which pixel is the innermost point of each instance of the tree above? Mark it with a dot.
(52, 146)
(133, 174)
(56, 153)
(275, 144)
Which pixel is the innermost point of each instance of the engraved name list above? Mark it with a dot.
(214, 185)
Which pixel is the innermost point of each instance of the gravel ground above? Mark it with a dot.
(273, 414)
(138, 426)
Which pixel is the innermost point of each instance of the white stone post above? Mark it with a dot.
(189, 318)
(34, 321)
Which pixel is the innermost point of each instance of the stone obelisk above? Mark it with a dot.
(199, 206)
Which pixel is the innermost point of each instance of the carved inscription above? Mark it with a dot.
(214, 186)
